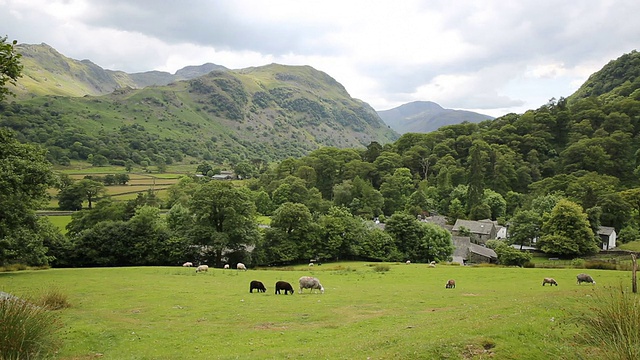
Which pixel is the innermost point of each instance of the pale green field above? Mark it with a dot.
(405, 313)
(60, 221)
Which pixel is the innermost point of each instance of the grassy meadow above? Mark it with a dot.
(402, 313)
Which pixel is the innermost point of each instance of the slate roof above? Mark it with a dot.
(606, 230)
(475, 227)
(484, 251)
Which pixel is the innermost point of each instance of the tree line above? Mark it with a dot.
(573, 156)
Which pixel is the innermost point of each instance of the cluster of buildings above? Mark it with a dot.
(469, 238)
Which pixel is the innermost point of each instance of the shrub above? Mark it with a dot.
(529, 265)
(598, 264)
(28, 331)
(578, 263)
(610, 320)
(381, 268)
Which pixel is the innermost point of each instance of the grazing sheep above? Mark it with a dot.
(202, 268)
(241, 266)
(550, 281)
(310, 264)
(432, 264)
(408, 262)
(308, 282)
(284, 286)
(226, 266)
(585, 278)
(187, 264)
(451, 284)
(255, 284)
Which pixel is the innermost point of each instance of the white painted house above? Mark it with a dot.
(608, 237)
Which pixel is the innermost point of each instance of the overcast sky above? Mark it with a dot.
(493, 57)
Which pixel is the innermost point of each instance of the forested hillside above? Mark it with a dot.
(557, 173)
(584, 150)
(257, 114)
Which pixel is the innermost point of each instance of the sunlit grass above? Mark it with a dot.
(402, 313)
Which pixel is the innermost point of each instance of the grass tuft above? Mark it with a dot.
(28, 331)
(54, 299)
(381, 268)
(13, 267)
(611, 322)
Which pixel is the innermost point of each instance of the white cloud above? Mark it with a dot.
(492, 55)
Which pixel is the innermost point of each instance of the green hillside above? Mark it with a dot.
(269, 113)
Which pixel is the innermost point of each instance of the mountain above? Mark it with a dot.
(47, 72)
(426, 116)
(77, 109)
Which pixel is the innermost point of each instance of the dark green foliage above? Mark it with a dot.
(25, 176)
(418, 241)
(224, 218)
(507, 255)
(567, 231)
(10, 66)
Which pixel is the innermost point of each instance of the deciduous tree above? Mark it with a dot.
(10, 66)
(567, 232)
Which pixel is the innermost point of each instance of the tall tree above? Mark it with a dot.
(224, 218)
(475, 192)
(567, 232)
(524, 227)
(396, 189)
(25, 176)
(10, 66)
(290, 235)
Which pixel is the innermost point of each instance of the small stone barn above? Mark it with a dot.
(466, 252)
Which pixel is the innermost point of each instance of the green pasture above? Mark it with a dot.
(631, 246)
(60, 221)
(403, 313)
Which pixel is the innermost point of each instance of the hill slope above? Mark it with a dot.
(270, 112)
(426, 116)
(47, 72)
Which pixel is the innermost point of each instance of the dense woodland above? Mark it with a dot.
(556, 173)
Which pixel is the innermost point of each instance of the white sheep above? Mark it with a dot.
(226, 266)
(202, 268)
(310, 264)
(241, 266)
(432, 264)
(308, 282)
(187, 264)
(408, 262)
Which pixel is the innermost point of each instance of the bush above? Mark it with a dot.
(598, 264)
(381, 268)
(610, 320)
(578, 263)
(529, 265)
(28, 331)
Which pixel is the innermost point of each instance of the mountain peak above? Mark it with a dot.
(426, 116)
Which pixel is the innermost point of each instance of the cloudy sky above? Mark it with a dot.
(493, 57)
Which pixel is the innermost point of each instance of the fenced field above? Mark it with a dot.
(395, 312)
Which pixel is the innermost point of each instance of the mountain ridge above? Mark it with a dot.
(426, 116)
(271, 112)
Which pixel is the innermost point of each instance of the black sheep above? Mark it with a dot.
(255, 284)
(283, 285)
